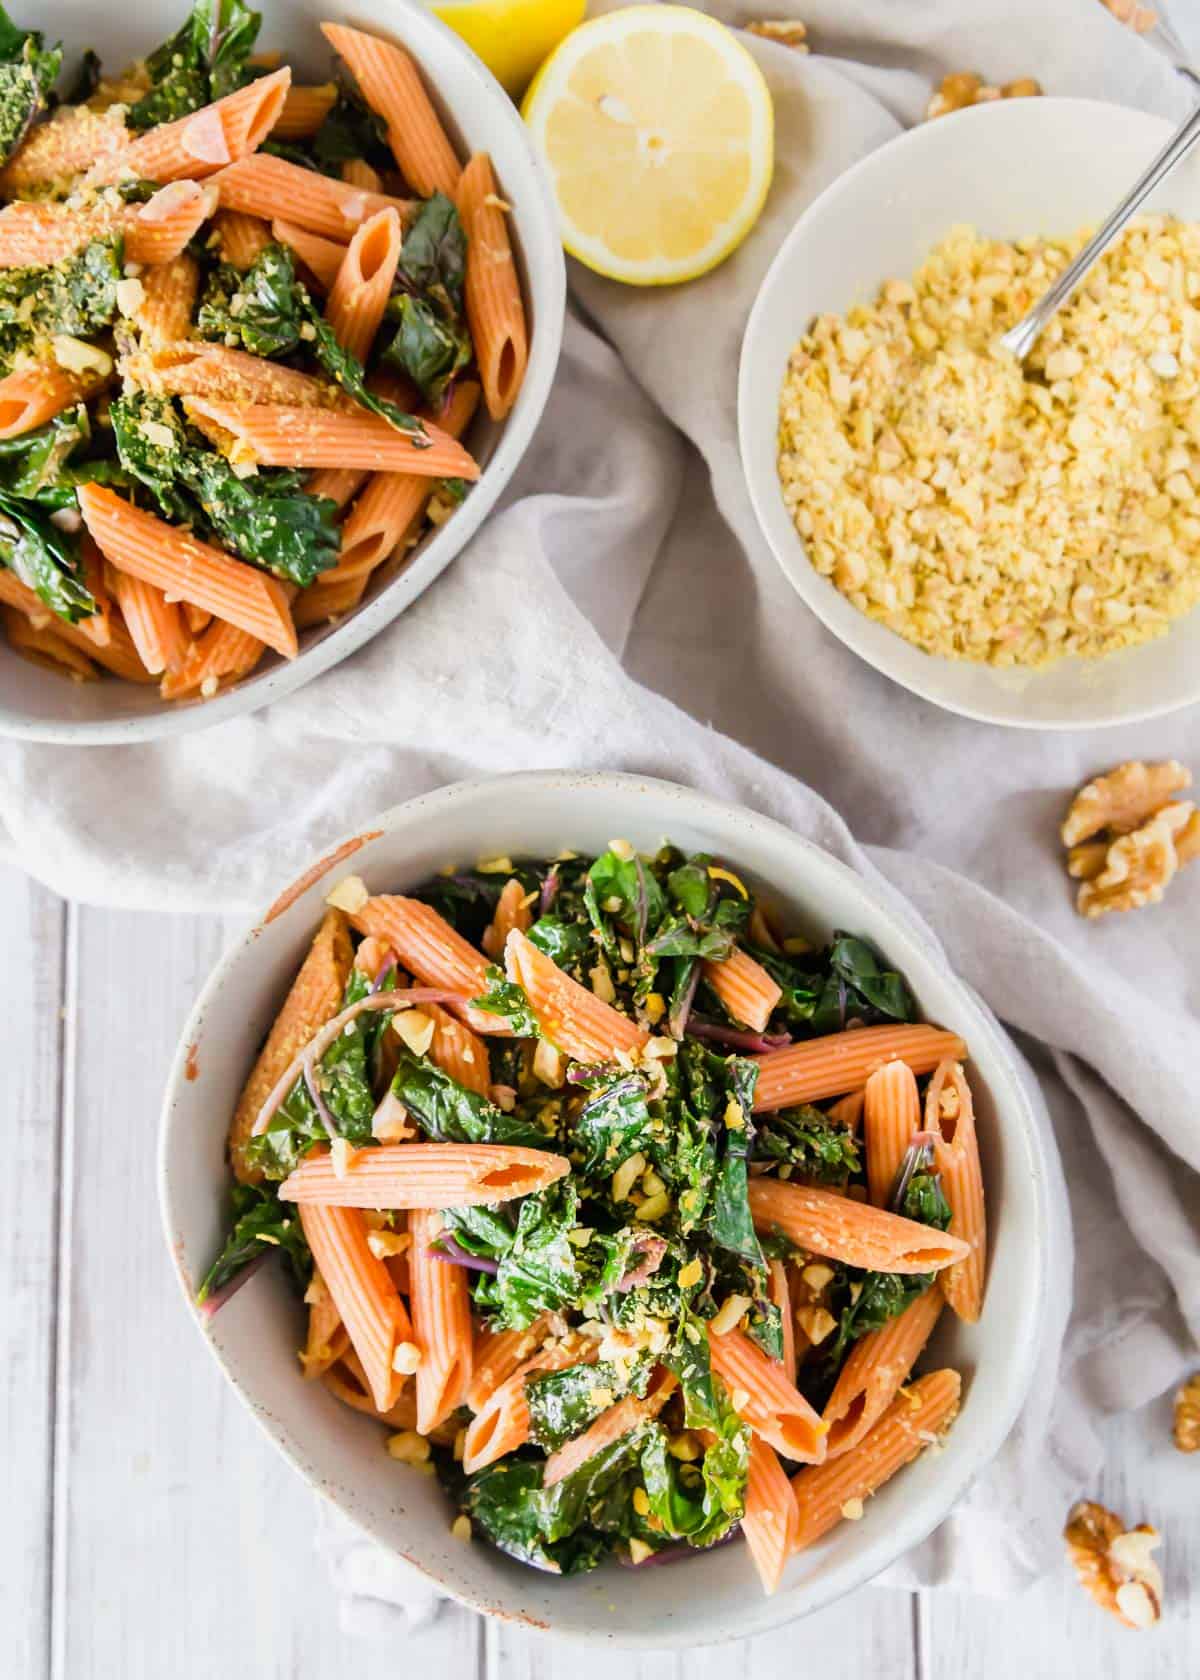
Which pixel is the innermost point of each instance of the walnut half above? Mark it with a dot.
(1114, 1564)
(1123, 799)
(966, 87)
(1138, 867)
(1187, 1415)
(785, 32)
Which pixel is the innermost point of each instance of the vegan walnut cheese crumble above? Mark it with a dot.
(995, 513)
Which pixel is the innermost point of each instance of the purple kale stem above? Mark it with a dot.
(386, 968)
(734, 1039)
(214, 1302)
(450, 1250)
(549, 891)
(679, 1015)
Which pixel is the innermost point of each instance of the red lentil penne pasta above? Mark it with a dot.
(220, 653)
(363, 284)
(891, 1119)
(618, 1420)
(441, 1313)
(96, 574)
(425, 1175)
(501, 1424)
(155, 624)
(304, 110)
(392, 503)
(950, 1115)
(744, 987)
(278, 435)
(781, 1295)
(33, 234)
(315, 997)
(204, 141)
(763, 1396)
(327, 1340)
(458, 1051)
(214, 371)
(41, 646)
(322, 602)
(32, 395)
(430, 949)
(842, 1062)
(847, 1111)
(879, 1362)
(262, 185)
(67, 145)
(160, 229)
(375, 1317)
(497, 1355)
(771, 1521)
(495, 312)
(322, 257)
(827, 1492)
(574, 1020)
(511, 912)
(357, 172)
(117, 654)
(340, 484)
(169, 292)
(391, 85)
(241, 239)
(842, 1229)
(196, 619)
(348, 1382)
(187, 569)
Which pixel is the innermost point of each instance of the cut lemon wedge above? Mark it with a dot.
(512, 37)
(657, 128)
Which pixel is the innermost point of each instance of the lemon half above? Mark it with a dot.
(658, 131)
(512, 37)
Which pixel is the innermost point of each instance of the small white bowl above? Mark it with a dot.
(254, 1338)
(1010, 168)
(38, 705)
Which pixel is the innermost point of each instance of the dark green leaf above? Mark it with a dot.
(28, 72)
(34, 462)
(76, 297)
(544, 1271)
(433, 258)
(351, 130)
(448, 1113)
(730, 1224)
(44, 558)
(204, 60)
(507, 1000)
(258, 309)
(260, 1221)
(429, 349)
(504, 1504)
(812, 1144)
(87, 79)
(563, 1403)
(484, 1231)
(565, 943)
(613, 1124)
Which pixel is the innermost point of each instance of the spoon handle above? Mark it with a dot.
(1020, 339)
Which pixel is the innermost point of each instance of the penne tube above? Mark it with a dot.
(357, 172)
(891, 1119)
(363, 283)
(196, 619)
(68, 144)
(878, 1363)
(241, 239)
(221, 653)
(430, 949)
(628, 1414)
(497, 1355)
(117, 654)
(340, 484)
(763, 1396)
(458, 1051)
(315, 998)
(781, 1296)
(843, 1061)
(847, 1111)
(501, 1424)
(155, 624)
(263, 185)
(327, 1341)
(362, 1289)
(32, 395)
(275, 435)
(161, 228)
(187, 569)
(348, 1382)
(322, 603)
(744, 987)
(495, 312)
(321, 257)
(573, 1019)
(950, 1116)
(205, 140)
(424, 1175)
(911, 1423)
(169, 292)
(440, 1301)
(771, 1520)
(225, 375)
(854, 1232)
(41, 646)
(391, 85)
(304, 110)
(511, 912)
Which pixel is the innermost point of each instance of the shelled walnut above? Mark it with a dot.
(1127, 836)
(1187, 1415)
(1114, 1564)
(966, 87)
(1141, 19)
(785, 32)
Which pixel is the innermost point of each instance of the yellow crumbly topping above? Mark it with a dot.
(995, 514)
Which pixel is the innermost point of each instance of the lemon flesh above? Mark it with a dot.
(657, 128)
(512, 37)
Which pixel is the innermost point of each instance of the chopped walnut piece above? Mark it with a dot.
(1187, 840)
(1114, 1564)
(1085, 862)
(966, 87)
(1187, 1415)
(1123, 799)
(786, 32)
(1139, 867)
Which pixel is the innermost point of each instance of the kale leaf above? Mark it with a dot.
(76, 298)
(701, 1509)
(87, 79)
(260, 1221)
(544, 1271)
(730, 1224)
(351, 130)
(268, 518)
(431, 343)
(845, 982)
(504, 1502)
(28, 72)
(565, 943)
(425, 346)
(448, 1113)
(563, 1403)
(204, 60)
(33, 463)
(507, 1000)
(613, 1124)
(482, 1231)
(44, 558)
(812, 1144)
(433, 258)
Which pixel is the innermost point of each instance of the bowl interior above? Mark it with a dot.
(1012, 168)
(39, 704)
(255, 1336)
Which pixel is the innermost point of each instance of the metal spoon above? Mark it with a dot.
(1021, 338)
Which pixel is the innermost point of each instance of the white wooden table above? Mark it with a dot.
(150, 1530)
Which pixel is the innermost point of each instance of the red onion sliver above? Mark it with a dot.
(214, 1302)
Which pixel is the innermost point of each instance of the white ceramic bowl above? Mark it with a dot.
(254, 1338)
(40, 706)
(1015, 167)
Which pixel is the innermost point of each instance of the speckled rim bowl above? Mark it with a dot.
(1011, 168)
(254, 1338)
(38, 705)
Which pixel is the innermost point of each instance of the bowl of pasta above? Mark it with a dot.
(281, 301)
(629, 1201)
